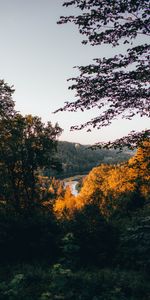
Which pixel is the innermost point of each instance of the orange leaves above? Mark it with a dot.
(65, 206)
(106, 183)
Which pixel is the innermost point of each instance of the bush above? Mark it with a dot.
(96, 285)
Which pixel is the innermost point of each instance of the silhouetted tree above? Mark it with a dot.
(117, 86)
(27, 145)
(6, 102)
(95, 237)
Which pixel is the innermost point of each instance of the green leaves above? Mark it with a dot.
(26, 145)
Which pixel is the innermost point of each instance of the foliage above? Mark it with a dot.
(25, 282)
(41, 283)
(122, 188)
(80, 159)
(117, 86)
(70, 251)
(97, 247)
(65, 206)
(28, 236)
(27, 145)
(104, 284)
(49, 190)
(95, 238)
(6, 102)
(135, 241)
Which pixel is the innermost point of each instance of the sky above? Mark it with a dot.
(37, 57)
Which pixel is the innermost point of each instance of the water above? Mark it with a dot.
(72, 185)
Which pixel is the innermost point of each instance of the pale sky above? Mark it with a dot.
(37, 57)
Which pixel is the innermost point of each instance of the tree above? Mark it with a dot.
(117, 86)
(6, 102)
(27, 145)
(134, 246)
(94, 236)
(65, 205)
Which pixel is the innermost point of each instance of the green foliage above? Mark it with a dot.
(70, 251)
(135, 241)
(27, 145)
(94, 238)
(36, 283)
(80, 159)
(25, 282)
(128, 203)
(104, 284)
(108, 226)
(13, 289)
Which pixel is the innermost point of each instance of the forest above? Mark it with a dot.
(78, 159)
(94, 245)
(55, 245)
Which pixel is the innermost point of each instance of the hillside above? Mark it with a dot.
(80, 159)
(124, 186)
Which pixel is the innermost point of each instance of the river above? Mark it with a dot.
(72, 185)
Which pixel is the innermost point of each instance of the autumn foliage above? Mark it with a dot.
(106, 184)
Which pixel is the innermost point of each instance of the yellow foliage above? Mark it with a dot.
(65, 206)
(106, 183)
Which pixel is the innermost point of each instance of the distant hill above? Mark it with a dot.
(79, 159)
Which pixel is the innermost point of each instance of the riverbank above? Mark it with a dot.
(73, 182)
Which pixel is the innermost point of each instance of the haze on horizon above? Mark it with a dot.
(37, 57)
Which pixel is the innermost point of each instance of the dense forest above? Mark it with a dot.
(95, 245)
(111, 185)
(54, 245)
(92, 246)
(80, 159)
